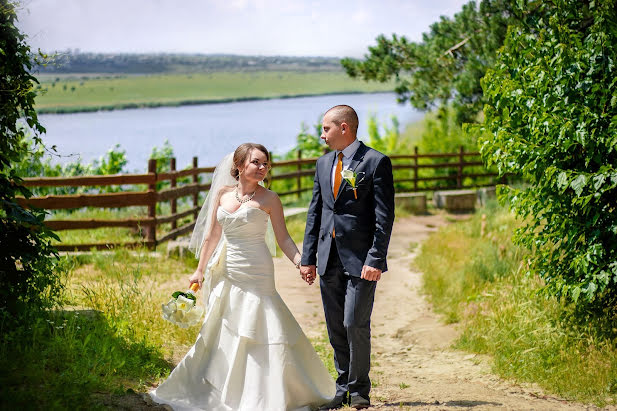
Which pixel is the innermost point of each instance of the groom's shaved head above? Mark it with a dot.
(344, 114)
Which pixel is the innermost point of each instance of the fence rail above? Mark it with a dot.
(290, 170)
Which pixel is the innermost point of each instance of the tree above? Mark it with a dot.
(551, 117)
(27, 259)
(447, 65)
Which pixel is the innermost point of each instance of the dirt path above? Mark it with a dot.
(413, 366)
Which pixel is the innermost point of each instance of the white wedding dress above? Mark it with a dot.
(251, 353)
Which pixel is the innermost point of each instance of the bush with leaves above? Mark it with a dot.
(29, 280)
(387, 140)
(552, 116)
(39, 164)
(309, 144)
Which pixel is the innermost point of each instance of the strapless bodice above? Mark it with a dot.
(245, 224)
(248, 260)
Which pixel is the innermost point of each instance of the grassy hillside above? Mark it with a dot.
(72, 93)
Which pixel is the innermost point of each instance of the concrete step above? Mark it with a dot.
(455, 200)
(415, 203)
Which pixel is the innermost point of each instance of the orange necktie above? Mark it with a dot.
(338, 178)
(337, 175)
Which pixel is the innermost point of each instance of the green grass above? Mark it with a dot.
(99, 235)
(96, 93)
(481, 282)
(295, 226)
(324, 351)
(108, 337)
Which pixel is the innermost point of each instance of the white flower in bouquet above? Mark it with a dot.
(181, 309)
(184, 304)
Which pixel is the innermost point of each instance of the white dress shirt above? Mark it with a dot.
(348, 153)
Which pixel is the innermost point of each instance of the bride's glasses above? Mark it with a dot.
(266, 164)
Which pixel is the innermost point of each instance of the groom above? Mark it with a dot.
(346, 240)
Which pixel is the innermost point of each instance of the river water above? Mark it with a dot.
(208, 131)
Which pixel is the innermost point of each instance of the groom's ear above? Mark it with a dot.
(344, 127)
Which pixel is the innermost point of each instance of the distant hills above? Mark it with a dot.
(72, 62)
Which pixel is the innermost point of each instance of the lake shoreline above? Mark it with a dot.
(208, 131)
(191, 102)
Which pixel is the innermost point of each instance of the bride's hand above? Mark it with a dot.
(197, 277)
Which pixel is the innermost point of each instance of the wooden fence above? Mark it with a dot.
(152, 196)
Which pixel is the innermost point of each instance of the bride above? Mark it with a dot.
(250, 353)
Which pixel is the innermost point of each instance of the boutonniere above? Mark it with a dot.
(352, 179)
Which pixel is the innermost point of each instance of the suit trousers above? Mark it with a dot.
(348, 304)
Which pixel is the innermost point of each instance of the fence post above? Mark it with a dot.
(151, 232)
(299, 178)
(196, 195)
(174, 201)
(415, 169)
(461, 159)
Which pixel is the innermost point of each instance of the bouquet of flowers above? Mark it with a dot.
(182, 309)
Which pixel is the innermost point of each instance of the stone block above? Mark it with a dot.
(455, 200)
(412, 202)
(485, 194)
(179, 246)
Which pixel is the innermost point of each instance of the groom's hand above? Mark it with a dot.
(308, 273)
(370, 273)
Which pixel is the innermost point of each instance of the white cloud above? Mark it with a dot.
(360, 16)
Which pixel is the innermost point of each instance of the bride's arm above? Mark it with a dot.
(211, 240)
(283, 238)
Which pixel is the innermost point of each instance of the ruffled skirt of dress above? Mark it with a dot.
(250, 354)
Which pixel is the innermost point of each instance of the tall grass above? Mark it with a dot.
(108, 337)
(481, 282)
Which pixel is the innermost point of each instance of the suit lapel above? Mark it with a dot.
(328, 175)
(355, 162)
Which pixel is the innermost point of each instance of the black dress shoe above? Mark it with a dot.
(359, 403)
(337, 402)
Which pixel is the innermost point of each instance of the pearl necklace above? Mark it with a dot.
(243, 200)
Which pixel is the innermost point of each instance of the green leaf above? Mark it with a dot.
(562, 180)
(578, 184)
(576, 292)
(598, 181)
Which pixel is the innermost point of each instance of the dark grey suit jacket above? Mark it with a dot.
(362, 226)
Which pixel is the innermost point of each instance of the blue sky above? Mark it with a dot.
(257, 27)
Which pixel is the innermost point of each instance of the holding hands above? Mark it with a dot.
(308, 273)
